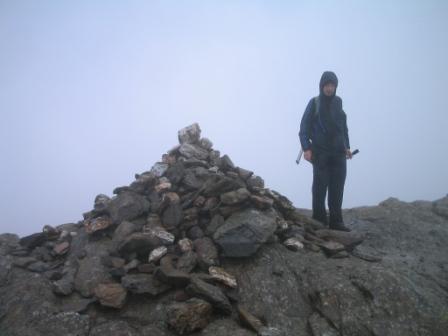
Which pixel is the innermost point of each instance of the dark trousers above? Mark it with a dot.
(329, 172)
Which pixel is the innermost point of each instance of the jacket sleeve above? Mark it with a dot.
(346, 138)
(305, 126)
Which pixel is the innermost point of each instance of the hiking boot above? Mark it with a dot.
(339, 227)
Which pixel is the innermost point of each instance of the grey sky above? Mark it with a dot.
(92, 92)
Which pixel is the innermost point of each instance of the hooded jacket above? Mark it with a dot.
(325, 130)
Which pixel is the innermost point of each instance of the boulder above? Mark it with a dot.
(243, 233)
(190, 134)
(127, 206)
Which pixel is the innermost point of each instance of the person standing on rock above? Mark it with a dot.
(325, 143)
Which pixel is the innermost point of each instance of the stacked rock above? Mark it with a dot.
(169, 229)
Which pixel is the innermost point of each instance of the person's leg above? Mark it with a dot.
(320, 185)
(337, 175)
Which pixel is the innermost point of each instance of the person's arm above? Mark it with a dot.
(305, 126)
(304, 133)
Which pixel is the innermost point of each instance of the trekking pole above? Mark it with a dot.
(299, 156)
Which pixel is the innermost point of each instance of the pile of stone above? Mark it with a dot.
(168, 232)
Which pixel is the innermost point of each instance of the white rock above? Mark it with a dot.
(293, 244)
(219, 274)
(157, 254)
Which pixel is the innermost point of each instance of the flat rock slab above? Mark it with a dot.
(244, 232)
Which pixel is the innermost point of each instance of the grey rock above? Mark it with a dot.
(243, 233)
(139, 243)
(91, 272)
(33, 240)
(190, 134)
(175, 173)
(166, 273)
(187, 262)
(215, 223)
(191, 151)
(261, 202)
(244, 173)
(205, 143)
(226, 163)
(66, 284)
(101, 203)
(195, 232)
(172, 216)
(235, 197)
(189, 316)
(143, 183)
(217, 184)
(127, 206)
(255, 183)
(207, 252)
(210, 293)
(144, 284)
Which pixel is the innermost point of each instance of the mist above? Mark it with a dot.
(93, 92)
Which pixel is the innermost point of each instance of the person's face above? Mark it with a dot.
(329, 89)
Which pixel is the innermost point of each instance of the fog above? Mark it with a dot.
(92, 92)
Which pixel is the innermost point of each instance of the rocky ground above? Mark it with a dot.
(200, 246)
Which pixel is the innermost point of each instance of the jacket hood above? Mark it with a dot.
(327, 76)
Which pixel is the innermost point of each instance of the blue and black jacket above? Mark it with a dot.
(325, 130)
